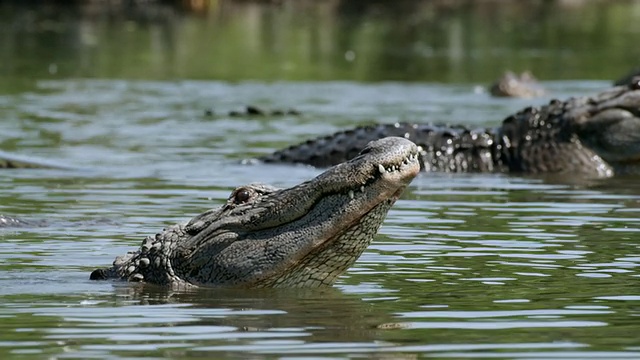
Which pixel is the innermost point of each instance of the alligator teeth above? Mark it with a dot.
(362, 188)
(351, 195)
(392, 168)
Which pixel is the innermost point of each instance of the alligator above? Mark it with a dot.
(303, 236)
(524, 85)
(592, 136)
(13, 161)
(7, 221)
(256, 111)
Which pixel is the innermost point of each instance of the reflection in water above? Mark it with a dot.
(445, 41)
(202, 320)
(328, 314)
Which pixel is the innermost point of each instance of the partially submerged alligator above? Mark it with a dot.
(304, 236)
(524, 85)
(596, 136)
(253, 110)
(12, 161)
(6, 221)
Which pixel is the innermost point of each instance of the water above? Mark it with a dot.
(465, 266)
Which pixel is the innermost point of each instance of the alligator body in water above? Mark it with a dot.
(7, 221)
(596, 136)
(253, 110)
(12, 161)
(524, 85)
(304, 236)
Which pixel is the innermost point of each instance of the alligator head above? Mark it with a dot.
(595, 136)
(523, 85)
(613, 130)
(304, 236)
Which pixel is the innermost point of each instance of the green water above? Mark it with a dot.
(443, 41)
(465, 266)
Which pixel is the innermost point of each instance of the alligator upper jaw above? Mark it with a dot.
(309, 234)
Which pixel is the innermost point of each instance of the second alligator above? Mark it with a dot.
(596, 136)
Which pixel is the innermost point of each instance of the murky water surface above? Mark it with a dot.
(465, 266)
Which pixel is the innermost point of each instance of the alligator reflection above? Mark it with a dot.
(328, 313)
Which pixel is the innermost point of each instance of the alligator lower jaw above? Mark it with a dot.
(329, 259)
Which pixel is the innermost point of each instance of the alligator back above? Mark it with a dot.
(442, 148)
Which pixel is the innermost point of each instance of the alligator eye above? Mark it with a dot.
(241, 195)
(635, 83)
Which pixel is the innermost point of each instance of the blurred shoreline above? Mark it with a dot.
(434, 41)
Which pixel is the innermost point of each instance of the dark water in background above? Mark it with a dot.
(465, 266)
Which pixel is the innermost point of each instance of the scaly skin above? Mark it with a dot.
(596, 136)
(304, 236)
